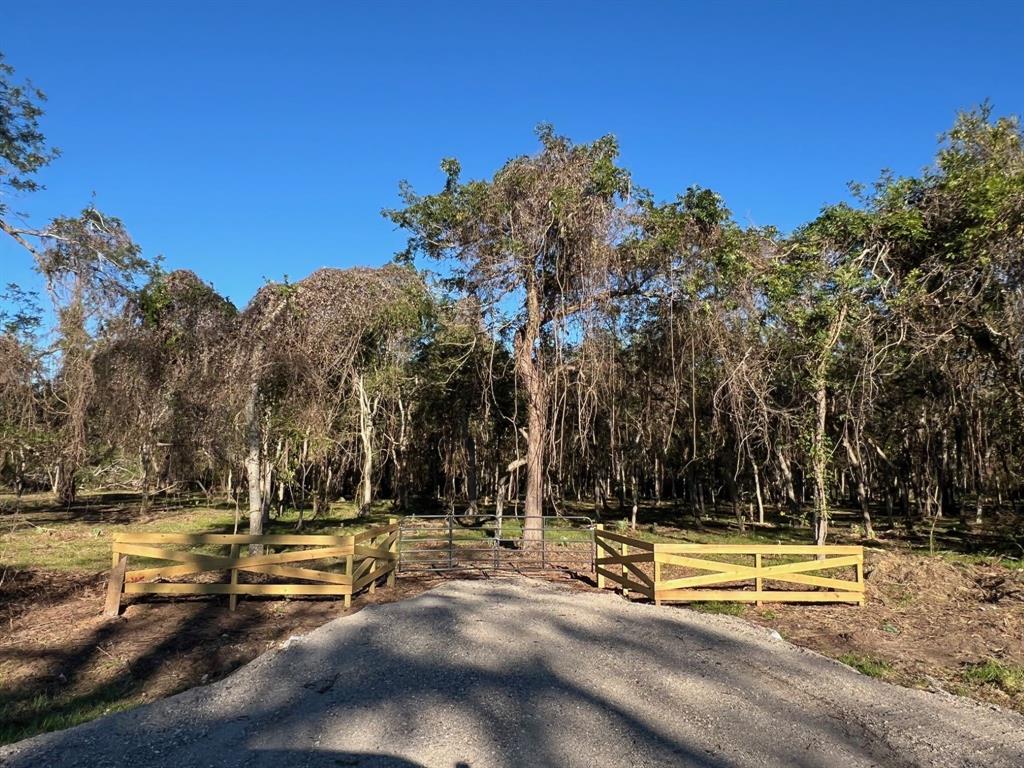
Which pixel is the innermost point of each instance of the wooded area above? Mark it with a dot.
(575, 342)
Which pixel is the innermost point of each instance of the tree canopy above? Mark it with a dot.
(582, 343)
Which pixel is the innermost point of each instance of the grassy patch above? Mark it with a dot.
(1006, 677)
(45, 712)
(867, 665)
(714, 606)
(80, 539)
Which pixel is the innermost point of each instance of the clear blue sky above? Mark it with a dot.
(250, 140)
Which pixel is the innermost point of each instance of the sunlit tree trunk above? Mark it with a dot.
(472, 491)
(860, 480)
(254, 462)
(819, 463)
(531, 375)
(366, 438)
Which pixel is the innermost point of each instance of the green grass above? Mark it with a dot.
(61, 541)
(1006, 677)
(867, 665)
(78, 540)
(43, 712)
(1012, 562)
(714, 606)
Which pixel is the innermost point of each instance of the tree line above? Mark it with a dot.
(575, 341)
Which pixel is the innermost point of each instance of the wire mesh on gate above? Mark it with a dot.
(441, 543)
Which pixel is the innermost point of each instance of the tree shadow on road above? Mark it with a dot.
(485, 675)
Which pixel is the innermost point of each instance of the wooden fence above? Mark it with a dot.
(365, 557)
(630, 555)
(666, 572)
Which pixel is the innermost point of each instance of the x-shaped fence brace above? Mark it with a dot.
(629, 553)
(368, 556)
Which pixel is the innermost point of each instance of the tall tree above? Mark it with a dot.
(159, 370)
(537, 245)
(91, 266)
(319, 360)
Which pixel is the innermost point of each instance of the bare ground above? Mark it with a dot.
(61, 662)
(928, 623)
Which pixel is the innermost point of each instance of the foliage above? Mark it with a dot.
(23, 149)
(584, 344)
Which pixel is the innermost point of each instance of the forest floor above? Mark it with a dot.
(945, 609)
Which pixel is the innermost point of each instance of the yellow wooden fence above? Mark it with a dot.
(366, 558)
(674, 572)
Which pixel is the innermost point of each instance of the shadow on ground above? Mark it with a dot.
(519, 673)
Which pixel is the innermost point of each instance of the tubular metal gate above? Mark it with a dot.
(445, 543)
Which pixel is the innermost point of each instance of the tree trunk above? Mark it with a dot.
(819, 463)
(366, 436)
(636, 501)
(254, 463)
(529, 369)
(472, 491)
(788, 486)
(146, 460)
(860, 482)
(499, 510)
(401, 482)
(819, 449)
(757, 493)
(65, 486)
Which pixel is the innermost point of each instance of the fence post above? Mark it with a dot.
(758, 581)
(233, 598)
(625, 551)
(543, 551)
(600, 576)
(657, 575)
(394, 550)
(860, 575)
(349, 571)
(373, 570)
(451, 542)
(115, 585)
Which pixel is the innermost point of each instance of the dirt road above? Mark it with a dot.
(521, 673)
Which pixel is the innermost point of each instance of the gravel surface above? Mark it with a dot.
(513, 672)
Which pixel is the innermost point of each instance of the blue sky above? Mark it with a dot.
(246, 141)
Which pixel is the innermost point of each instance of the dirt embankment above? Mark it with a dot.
(62, 663)
(929, 623)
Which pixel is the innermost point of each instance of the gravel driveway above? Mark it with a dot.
(512, 672)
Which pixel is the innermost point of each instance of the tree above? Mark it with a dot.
(22, 435)
(159, 370)
(91, 267)
(537, 241)
(318, 361)
(23, 148)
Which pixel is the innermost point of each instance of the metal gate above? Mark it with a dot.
(448, 543)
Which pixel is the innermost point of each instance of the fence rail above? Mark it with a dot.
(366, 557)
(671, 572)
